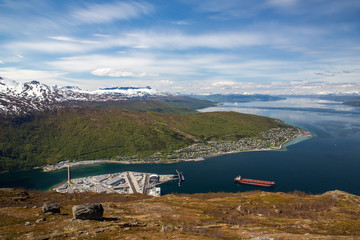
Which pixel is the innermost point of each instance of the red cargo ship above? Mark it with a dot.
(261, 183)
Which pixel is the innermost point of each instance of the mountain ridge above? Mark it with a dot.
(24, 98)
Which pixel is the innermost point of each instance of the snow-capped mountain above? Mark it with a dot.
(125, 92)
(22, 98)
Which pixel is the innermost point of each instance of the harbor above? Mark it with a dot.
(122, 183)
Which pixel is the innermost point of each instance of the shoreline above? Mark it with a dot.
(307, 135)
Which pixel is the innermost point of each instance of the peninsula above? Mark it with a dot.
(77, 134)
(273, 139)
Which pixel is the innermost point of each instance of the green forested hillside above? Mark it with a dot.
(166, 104)
(90, 133)
(137, 106)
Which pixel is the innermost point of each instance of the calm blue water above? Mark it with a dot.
(329, 161)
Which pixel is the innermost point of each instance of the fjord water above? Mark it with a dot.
(329, 161)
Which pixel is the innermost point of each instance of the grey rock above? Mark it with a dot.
(277, 211)
(50, 207)
(27, 224)
(41, 220)
(89, 211)
(167, 228)
(239, 208)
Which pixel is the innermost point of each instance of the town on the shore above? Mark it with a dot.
(273, 139)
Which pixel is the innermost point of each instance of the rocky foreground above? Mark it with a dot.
(249, 215)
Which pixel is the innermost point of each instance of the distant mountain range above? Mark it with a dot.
(23, 98)
(18, 99)
(245, 97)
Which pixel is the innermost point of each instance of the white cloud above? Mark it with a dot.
(224, 85)
(169, 41)
(1, 62)
(219, 40)
(62, 38)
(282, 38)
(141, 46)
(104, 13)
(101, 35)
(116, 73)
(181, 22)
(49, 47)
(227, 67)
(69, 39)
(166, 82)
(275, 88)
(18, 74)
(87, 63)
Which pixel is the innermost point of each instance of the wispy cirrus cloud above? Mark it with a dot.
(148, 40)
(234, 9)
(101, 35)
(276, 87)
(222, 40)
(206, 66)
(104, 13)
(273, 35)
(69, 39)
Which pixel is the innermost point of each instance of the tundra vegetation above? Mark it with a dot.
(248, 215)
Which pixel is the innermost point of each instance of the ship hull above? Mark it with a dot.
(255, 182)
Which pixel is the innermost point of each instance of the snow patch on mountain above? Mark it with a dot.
(23, 98)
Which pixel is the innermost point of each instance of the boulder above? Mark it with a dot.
(167, 228)
(50, 207)
(41, 220)
(89, 211)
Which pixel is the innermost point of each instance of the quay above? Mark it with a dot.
(181, 177)
(121, 183)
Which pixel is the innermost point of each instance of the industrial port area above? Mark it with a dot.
(122, 183)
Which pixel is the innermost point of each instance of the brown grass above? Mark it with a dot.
(199, 216)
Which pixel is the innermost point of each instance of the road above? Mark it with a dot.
(131, 182)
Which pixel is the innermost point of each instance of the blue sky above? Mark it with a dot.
(187, 46)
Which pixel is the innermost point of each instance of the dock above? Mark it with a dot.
(181, 177)
(121, 182)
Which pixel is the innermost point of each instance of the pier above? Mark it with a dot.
(181, 177)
